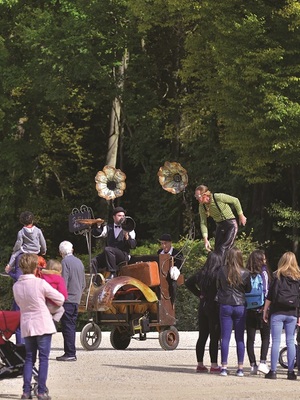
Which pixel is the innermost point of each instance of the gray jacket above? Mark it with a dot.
(74, 276)
(29, 240)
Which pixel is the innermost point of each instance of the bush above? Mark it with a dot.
(6, 295)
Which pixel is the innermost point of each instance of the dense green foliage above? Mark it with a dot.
(212, 85)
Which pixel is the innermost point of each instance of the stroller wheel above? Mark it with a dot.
(283, 358)
(35, 389)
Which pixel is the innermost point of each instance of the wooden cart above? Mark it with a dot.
(138, 301)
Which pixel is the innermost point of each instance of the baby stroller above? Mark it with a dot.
(12, 356)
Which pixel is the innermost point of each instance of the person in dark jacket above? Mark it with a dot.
(167, 248)
(118, 244)
(232, 283)
(203, 285)
(281, 315)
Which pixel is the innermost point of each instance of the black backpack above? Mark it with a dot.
(287, 292)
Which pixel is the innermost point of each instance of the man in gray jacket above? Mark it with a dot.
(74, 276)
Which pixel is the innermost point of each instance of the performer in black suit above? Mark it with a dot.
(118, 244)
(167, 248)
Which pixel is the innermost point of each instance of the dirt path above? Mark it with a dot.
(145, 371)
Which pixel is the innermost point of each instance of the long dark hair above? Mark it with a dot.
(256, 261)
(210, 271)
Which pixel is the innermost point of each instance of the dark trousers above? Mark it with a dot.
(226, 232)
(109, 259)
(99, 263)
(209, 326)
(68, 328)
(255, 322)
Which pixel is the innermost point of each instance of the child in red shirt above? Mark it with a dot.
(52, 274)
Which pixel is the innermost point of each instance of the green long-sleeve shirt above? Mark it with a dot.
(224, 201)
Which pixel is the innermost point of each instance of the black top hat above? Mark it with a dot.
(166, 237)
(118, 209)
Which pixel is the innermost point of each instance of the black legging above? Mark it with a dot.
(225, 235)
(209, 325)
(255, 322)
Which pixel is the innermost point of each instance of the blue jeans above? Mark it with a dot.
(33, 344)
(68, 328)
(232, 317)
(288, 322)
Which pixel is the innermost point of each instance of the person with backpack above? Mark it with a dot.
(233, 282)
(260, 278)
(203, 285)
(281, 309)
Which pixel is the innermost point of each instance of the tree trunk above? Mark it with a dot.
(116, 125)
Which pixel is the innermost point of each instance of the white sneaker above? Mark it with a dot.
(262, 367)
(239, 372)
(224, 372)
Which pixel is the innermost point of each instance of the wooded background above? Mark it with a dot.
(213, 85)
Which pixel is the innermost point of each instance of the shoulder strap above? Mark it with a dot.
(216, 203)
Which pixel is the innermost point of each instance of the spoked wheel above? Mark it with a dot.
(120, 338)
(90, 336)
(169, 338)
(35, 390)
(282, 359)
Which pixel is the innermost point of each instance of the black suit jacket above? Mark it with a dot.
(118, 242)
(178, 257)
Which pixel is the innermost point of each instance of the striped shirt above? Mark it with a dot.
(224, 202)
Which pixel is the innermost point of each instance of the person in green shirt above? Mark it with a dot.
(218, 206)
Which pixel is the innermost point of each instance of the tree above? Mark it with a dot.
(246, 58)
(57, 78)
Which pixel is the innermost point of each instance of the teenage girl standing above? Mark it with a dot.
(232, 283)
(257, 264)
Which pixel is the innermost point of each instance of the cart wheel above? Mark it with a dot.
(282, 359)
(169, 338)
(90, 336)
(120, 338)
